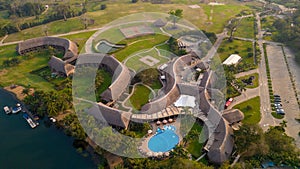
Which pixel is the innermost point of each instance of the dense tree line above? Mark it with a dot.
(288, 32)
(256, 147)
(60, 11)
(27, 9)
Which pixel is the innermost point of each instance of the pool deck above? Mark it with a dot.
(143, 148)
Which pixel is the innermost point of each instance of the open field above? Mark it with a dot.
(246, 28)
(199, 17)
(239, 47)
(251, 110)
(255, 81)
(218, 16)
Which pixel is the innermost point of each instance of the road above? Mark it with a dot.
(265, 105)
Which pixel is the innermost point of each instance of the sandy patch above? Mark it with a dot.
(17, 90)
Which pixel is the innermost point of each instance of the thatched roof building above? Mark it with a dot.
(113, 117)
(120, 73)
(59, 66)
(233, 116)
(70, 48)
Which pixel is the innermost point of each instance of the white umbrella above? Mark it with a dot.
(160, 153)
(170, 120)
(149, 131)
(167, 154)
(155, 154)
(165, 121)
(158, 122)
(149, 154)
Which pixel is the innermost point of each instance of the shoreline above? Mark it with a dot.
(17, 91)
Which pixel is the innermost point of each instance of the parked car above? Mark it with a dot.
(275, 95)
(276, 99)
(280, 111)
(229, 101)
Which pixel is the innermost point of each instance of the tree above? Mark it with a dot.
(175, 15)
(45, 30)
(25, 91)
(232, 26)
(148, 76)
(134, 1)
(85, 21)
(103, 6)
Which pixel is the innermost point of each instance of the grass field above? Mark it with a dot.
(246, 28)
(255, 81)
(142, 43)
(140, 96)
(80, 38)
(198, 17)
(220, 16)
(22, 74)
(236, 47)
(135, 64)
(251, 110)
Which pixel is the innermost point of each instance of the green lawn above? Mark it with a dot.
(246, 28)
(251, 110)
(145, 42)
(80, 38)
(135, 64)
(27, 72)
(107, 79)
(140, 96)
(194, 146)
(221, 15)
(236, 47)
(255, 81)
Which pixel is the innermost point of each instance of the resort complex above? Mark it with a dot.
(218, 89)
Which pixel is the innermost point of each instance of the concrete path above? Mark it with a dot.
(242, 74)
(246, 95)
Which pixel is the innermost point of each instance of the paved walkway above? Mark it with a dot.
(242, 74)
(246, 95)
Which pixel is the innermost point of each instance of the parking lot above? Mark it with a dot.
(282, 86)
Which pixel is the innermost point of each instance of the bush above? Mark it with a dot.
(103, 6)
(134, 1)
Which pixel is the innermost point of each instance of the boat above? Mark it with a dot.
(29, 120)
(7, 110)
(16, 110)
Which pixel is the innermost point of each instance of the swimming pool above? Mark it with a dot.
(164, 140)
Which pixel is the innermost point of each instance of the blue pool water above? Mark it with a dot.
(164, 140)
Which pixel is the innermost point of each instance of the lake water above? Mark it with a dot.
(22, 147)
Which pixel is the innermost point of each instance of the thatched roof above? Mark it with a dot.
(222, 146)
(60, 66)
(233, 116)
(120, 73)
(110, 115)
(71, 50)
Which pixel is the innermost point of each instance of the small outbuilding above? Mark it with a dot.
(232, 60)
